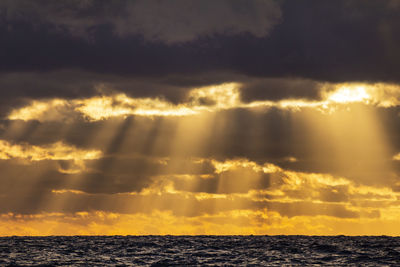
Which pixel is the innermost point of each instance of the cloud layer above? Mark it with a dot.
(199, 117)
(174, 22)
(314, 39)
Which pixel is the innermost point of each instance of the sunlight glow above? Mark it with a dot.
(396, 157)
(349, 94)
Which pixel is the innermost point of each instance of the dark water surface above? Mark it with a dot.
(200, 250)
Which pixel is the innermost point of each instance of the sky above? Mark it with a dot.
(190, 117)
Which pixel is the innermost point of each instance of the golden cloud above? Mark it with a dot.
(99, 108)
(70, 191)
(55, 151)
(102, 107)
(45, 110)
(204, 99)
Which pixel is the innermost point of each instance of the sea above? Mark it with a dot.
(200, 251)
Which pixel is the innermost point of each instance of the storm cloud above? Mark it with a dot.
(322, 40)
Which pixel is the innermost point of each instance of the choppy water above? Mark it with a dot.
(200, 250)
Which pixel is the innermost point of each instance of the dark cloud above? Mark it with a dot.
(278, 89)
(321, 40)
(238, 180)
(315, 40)
(172, 22)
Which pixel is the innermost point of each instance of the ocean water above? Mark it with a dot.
(200, 251)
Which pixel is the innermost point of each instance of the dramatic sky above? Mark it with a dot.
(199, 117)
